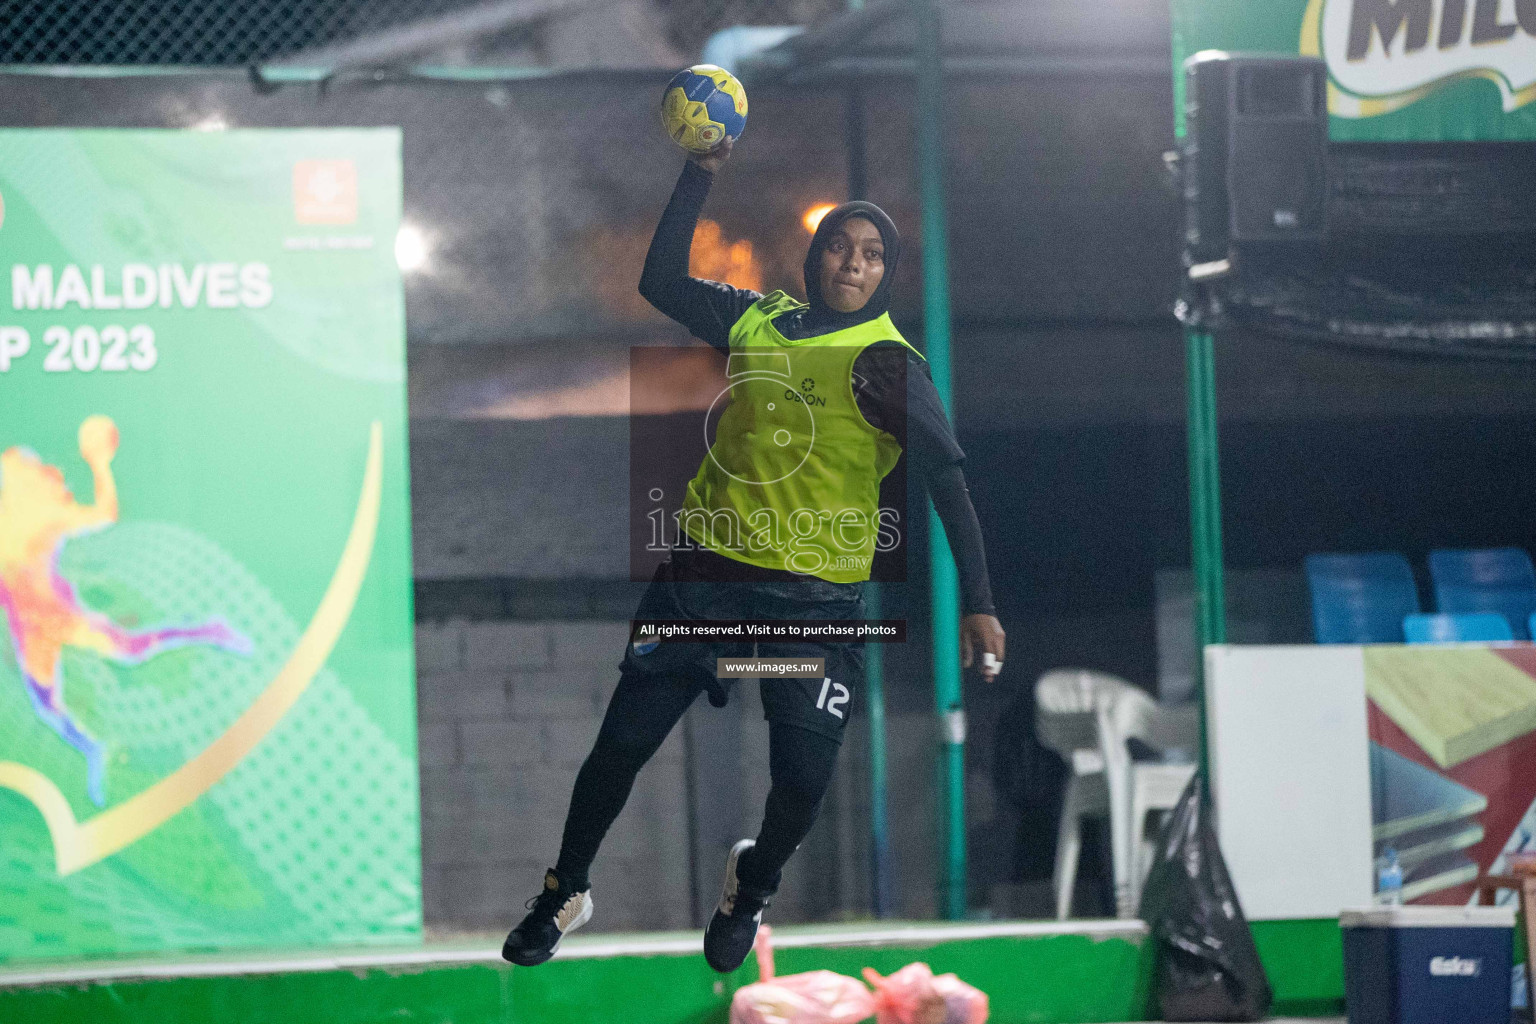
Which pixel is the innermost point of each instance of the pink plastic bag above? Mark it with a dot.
(815, 997)
(913, 995)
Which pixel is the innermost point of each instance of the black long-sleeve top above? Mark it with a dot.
(891, 385)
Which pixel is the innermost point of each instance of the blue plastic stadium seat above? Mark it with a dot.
(1470, 627)
(1486, 580)
(1360, 598)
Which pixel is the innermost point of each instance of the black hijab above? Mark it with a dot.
(821, 318)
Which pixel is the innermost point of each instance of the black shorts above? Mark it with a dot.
(820, 705)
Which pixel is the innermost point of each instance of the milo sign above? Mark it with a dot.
(1399, 70)
(1386, 54)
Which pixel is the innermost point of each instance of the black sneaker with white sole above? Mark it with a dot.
(733, 929)
(553, 914)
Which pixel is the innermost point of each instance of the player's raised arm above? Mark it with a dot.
(707, 308)
(704, 110)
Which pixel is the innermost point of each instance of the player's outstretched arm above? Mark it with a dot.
(980, 632)
(896, 395)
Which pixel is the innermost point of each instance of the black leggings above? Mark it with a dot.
(640, 715)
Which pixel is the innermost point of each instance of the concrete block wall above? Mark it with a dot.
(507, 712)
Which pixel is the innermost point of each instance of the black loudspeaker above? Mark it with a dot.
(1255, 153)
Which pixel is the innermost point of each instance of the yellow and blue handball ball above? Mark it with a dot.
(702, 105)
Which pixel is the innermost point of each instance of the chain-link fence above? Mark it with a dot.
(690, 22)
(220, 33)
(201, 32)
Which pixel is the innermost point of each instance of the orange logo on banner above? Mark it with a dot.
(324, 191)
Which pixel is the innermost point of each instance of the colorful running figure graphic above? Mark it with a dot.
(38, 515)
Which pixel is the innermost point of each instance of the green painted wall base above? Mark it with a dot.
(1041, 977)
(1305, 964)
(1036, 978)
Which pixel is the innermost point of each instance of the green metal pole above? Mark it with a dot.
(936, 336)
(951, 708)
(874, 654)
(879, 832)
(1204, 506)
(1195, 426)
(1215, 576)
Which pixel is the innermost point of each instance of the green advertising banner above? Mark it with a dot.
(207, 710)
(1399, 70)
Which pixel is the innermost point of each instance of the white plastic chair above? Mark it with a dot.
(1140, 788)
(1086, 717)
(1066, 703)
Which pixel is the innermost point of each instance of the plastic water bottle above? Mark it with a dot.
(1389, 879)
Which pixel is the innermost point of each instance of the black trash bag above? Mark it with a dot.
(1208, 968)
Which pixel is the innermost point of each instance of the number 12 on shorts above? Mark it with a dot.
(839, 698)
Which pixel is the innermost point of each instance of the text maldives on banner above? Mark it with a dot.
(207, 732)
(1399, 70)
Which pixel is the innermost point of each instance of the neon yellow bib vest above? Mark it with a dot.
(792, 480)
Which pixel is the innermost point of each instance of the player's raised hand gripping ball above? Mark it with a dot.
(701, 106)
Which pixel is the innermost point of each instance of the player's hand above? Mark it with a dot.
(984, 632)
(715, 158)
